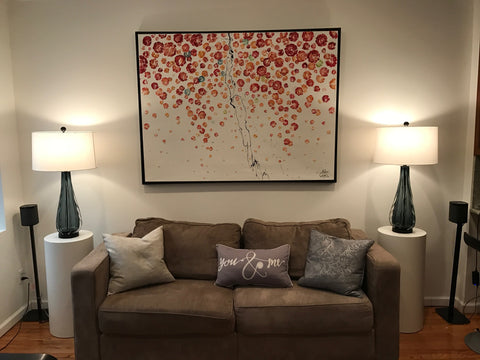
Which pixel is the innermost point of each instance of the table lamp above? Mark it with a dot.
(64, 151)
(405, 146)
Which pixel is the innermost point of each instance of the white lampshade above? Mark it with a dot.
(407, 145)
(62, 151)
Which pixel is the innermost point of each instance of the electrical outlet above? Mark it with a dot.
(22, 275)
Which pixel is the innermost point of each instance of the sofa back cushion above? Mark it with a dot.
(190, 248)
(144, 225)
(260, 234)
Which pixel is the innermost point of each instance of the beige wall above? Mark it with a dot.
(74, 65)
(14, 241)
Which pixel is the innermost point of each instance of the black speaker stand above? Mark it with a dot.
(35, 315)
(458, 214)
(453, 317)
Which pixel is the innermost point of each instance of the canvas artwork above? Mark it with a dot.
(238, 106)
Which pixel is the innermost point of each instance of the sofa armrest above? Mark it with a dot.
(382, 285)
(89, 280)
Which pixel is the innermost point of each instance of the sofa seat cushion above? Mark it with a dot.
(260, 234)
(183, 307)
(300, 311)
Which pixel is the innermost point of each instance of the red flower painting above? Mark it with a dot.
(238, 106)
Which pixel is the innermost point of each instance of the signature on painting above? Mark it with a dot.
(324, 173)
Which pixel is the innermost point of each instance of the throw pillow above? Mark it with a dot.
(335, 264)
(264, 267)
(136, 262)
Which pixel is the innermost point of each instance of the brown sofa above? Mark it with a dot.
(192, 318)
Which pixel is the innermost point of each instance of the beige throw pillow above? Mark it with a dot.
(136, 262)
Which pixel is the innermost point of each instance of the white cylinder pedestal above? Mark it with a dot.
(409, 250)
(60, 257)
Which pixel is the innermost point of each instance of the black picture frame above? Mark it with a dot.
(238, 106)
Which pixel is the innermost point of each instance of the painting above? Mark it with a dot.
(238, 106)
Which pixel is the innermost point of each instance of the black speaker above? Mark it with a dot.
(458, 212)
(29, 217)
(29, 214)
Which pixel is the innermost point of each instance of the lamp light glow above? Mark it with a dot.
(405, 146)
(64, 151)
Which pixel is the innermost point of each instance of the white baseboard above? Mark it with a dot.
(18, 315)
(12, 320)
(438, 301)
(441, 301)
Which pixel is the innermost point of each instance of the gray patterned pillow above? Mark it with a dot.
(253, 267)
(136, 262)
(335, 264)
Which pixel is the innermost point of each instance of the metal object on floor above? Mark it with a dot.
(26, 357)
(472, 340)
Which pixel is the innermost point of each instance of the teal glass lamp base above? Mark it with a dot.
(402, 214)
(68, 212)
